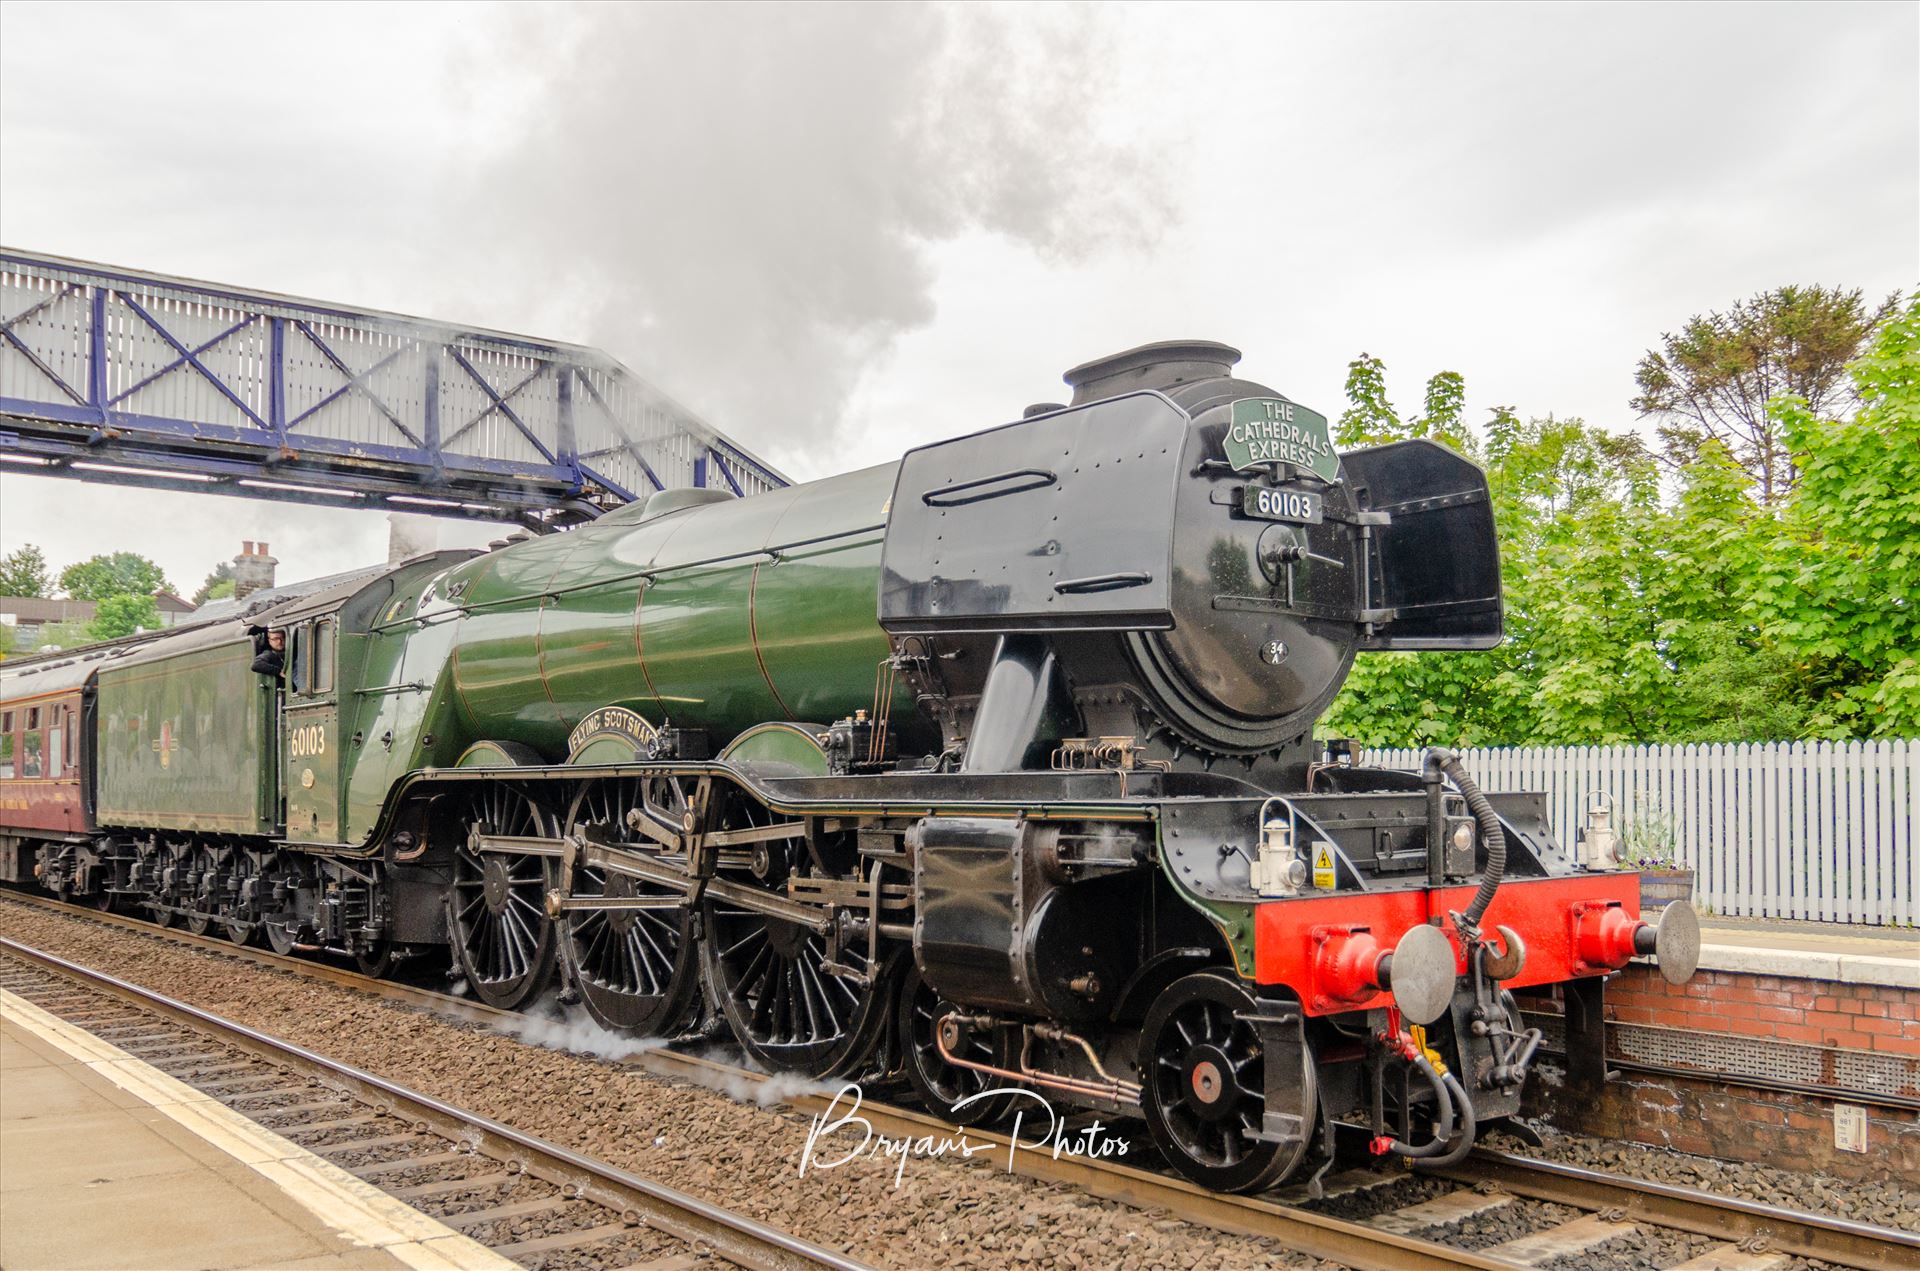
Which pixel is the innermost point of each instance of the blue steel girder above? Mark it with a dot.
(112, 375)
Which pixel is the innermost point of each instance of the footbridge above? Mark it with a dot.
(114, 375)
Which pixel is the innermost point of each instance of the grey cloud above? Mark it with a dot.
(739, 201)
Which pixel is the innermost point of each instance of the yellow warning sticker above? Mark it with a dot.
(1323, 876)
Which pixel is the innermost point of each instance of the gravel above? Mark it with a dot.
(1643, 1248)
(944, 1212)
(1887, 1204)
(1409, 1189)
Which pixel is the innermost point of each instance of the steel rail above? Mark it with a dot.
(306, 967)
(479, 1013)
(735, 1237)
(1335, 1239)
(1836, 1240)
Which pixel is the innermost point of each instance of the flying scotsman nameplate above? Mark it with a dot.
(1273, 429)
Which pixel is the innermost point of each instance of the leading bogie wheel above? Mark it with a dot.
(932, 1033)
(503, 940)
(1203, 1086)
(635, 969)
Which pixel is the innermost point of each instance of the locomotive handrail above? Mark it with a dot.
(1103, 582)
(945, 496)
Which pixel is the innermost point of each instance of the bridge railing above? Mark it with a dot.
(1821, 831)
(110, 374)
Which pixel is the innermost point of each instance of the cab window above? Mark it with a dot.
(32, 744)
(323, 652)
(297, 638)
(6, 744)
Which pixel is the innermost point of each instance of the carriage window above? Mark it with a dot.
(56, 742)
(297, 638)
(323, 656)
(31, 745)
(6, 744)
(71, 734)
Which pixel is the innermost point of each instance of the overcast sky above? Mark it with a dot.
(839, 231)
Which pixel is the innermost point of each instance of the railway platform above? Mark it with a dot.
(107, 1162)
(1842, 953)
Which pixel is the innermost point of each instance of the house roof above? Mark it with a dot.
(41, 609)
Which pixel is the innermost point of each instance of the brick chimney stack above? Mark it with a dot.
(252, 569)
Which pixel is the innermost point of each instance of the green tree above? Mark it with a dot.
(1845, 601)
(1371, 420)
(118, 574)
(24, 573)
(1714, 378)
(1642, 611)
(218, 586)
(123, 615)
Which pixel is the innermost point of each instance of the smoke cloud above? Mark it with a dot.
(740, 201)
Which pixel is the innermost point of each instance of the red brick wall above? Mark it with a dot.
(1867, 1017)
(1744, 1123)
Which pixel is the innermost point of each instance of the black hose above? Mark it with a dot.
(1448, 762)
(1469, 1127)
(1443, 1115)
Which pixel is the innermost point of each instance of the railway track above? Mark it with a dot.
(526, 1199)
(1727, 1234)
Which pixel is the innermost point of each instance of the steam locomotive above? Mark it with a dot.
(992, 768)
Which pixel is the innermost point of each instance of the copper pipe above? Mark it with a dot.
(1120, 1091)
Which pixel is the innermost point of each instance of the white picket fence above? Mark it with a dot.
(1822, 831)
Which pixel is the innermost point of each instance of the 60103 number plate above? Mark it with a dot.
(1301, 506)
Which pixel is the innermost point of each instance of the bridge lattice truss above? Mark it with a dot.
(112, 375)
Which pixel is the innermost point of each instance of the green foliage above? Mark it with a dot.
(1844, 595)
(24, 573)
(9, 639)
(1713, 380)
(1371, 420)
(120, 574)
(1639, 611)
(218, 586)
(123, 615)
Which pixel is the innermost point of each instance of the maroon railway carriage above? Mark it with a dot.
(45, 749)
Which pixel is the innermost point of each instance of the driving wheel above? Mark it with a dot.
(929, 1025)
(635, 969)
(496, 904)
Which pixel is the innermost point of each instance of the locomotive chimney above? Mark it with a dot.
(252, 569)
(1159, 365)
